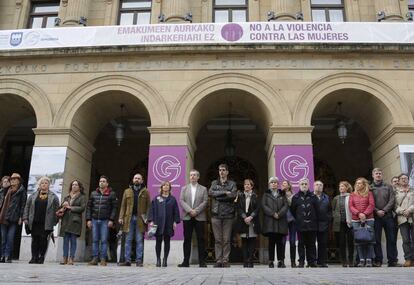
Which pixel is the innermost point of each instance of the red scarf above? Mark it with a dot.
(6, 204)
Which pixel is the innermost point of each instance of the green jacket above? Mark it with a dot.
(72, 219)
(125, 213)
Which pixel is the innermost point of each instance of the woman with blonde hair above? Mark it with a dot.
(362, 205)
(342, 222)
(164, 213)
(40, 216)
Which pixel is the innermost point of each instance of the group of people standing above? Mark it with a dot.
(357, 214)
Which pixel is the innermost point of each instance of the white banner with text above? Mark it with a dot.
(209, 33)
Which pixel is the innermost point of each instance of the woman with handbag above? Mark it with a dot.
(342, 223)
(248, 221)
(71, 227)
(165, 215)
(362, 205)
(40, 216)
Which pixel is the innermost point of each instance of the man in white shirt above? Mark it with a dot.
(193, 200)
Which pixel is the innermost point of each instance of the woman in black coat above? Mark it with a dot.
(248, 221)
(164, 213)
(275, 225)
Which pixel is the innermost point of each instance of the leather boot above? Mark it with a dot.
(158, 264)
(70, 261)
(64, 261)
(164, 262)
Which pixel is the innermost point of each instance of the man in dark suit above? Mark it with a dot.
(193, 201)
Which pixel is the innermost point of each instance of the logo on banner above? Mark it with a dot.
(16, 39)
(232, 32)
(32, 38)
(167, 167)
(294, 167)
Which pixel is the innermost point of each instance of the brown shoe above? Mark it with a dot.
(407, 263)
(70, 261)
(103, 262)
(94, 261)
(64, 261)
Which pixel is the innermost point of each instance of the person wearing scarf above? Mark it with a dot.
(11, 212)
(248, 221)
(40, 216)
(73, 206)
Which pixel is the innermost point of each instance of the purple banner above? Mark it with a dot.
(294, 162)
(167, 163)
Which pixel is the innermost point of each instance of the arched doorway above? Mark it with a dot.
(230, 127)
(16, 143)
(116, 124)
(339, 157)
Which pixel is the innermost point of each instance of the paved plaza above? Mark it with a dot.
(52, 273)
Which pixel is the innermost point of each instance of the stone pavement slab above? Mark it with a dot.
(52, 273)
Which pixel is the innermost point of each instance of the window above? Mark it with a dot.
(136, 12)
(411, 5)
(230, 11)
(328, 10)
(43, 14)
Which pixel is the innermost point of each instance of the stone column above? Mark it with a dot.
(75, 10)
(391, 8)
(78, 164)
(175, 10)
(170, 158)
(286, 10)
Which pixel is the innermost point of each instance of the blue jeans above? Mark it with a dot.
(100, 234)
(69, 239)
(7, 239)
(365, 251)
(388, 224)
(139, 239)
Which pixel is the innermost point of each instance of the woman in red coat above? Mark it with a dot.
(362, 204)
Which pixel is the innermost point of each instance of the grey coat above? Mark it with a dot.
(72, 220)
(200, 202)
(52, 206)
(270, 206)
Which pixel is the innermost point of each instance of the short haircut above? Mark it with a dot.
(195, 171)
(5, 178)
(41, 179)
(304, 179)
(104, 177)
(376, 169)
(273, 179)
(401, 175)
(223, 165)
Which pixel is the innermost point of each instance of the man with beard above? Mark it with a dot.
(132, 217)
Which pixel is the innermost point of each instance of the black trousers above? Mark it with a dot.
(158, 244)
(39, 246)
(346, 240)
(189, 227)
(278, 240)
(307, 247)
(322, 239)
(248, 245)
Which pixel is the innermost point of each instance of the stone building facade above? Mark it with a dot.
(191, 95)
